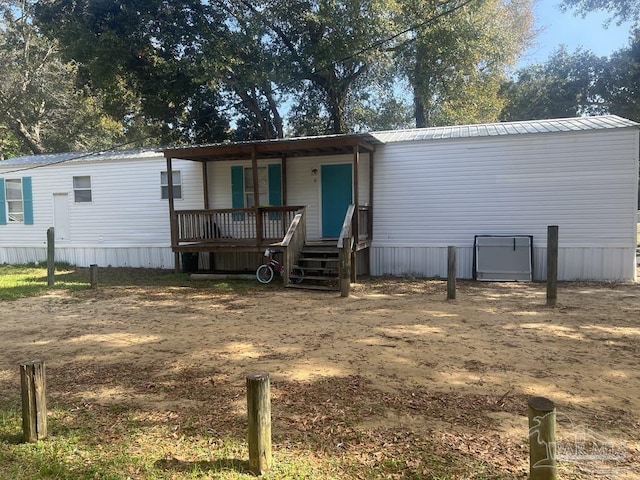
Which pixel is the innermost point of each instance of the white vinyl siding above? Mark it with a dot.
(429, 195)
(127, 224)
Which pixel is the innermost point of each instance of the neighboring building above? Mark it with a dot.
(107, 208)
(416, 192)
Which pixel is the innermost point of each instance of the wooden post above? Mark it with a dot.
(51, 257)
(345, 269)
(34, 402)
(93, 276)
(451, 273)
(259, 427)
(542, 439)
(552, 265)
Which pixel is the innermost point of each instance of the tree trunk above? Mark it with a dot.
(20, 131)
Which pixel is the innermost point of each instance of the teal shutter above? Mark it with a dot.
(275, 188)
(3, 204)
(237, 190)
(27, 200)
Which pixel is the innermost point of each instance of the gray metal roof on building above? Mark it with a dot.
(53, 158)
(375, 138)
(505, 128)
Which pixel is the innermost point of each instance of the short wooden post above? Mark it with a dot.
(93, 276)
(345, 270)
(259, 428)
(552, 265)
(451, 273)
(51, 257)
(34, 401)
(542, 439)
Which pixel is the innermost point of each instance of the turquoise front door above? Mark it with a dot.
(336, 197)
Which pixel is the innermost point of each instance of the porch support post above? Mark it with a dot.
(256, 194)
(356, 216)
(205, 184)
(284, 180)
(370, 219)
(173, 220)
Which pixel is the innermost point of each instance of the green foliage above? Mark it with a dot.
(620, 82)
(186, 71)
(456, 63)
(154, 67)
(566, 85)
(569, 85)
(40, 104)
(621, 10)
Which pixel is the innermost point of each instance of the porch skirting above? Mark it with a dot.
(114, 256)
(574, 263)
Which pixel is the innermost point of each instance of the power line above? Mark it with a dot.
(368, 48)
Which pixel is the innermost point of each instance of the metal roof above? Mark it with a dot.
(332, 144)
(505, 128)
(53, 158)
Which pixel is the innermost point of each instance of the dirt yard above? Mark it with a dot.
(394, 364)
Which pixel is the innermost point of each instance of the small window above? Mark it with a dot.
(177, 184)
(263, 182)
(15, 206)
(82, 189)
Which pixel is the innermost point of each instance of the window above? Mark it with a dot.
(263, 182)
(164, 184)
(82, 189)
(15, 206)
(16, 202)
(269, 179)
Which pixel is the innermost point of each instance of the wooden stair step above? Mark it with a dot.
(316, 277)
(317, 259)
(320, 269)
(314, 287)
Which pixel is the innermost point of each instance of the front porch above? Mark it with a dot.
(289, 175)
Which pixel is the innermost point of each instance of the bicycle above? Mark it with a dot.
(266, 272)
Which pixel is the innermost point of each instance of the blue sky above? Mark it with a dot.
(558, 28)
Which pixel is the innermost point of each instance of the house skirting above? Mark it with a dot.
(574, 263)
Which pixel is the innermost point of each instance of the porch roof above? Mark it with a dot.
(277, 148)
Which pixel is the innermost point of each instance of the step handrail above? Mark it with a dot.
(293, 243)
(345, 247)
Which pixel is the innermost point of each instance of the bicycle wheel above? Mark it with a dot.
(299, 273)
(264, 274)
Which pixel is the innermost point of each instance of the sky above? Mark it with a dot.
(558, 28)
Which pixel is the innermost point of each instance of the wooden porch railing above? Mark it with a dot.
(293, 243)
(345, 248)
(363, 231)
(244, 225)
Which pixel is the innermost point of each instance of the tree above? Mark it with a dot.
(325, 49)
(145, 57)
(620, 81)
(40, 105)
(566, 85)
(456, 62)
(621, 10)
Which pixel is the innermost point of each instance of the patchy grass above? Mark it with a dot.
(19, 281)
(321, 433)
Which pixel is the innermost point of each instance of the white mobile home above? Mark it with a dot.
(416, 192)
(396, 199)
(106, 208)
